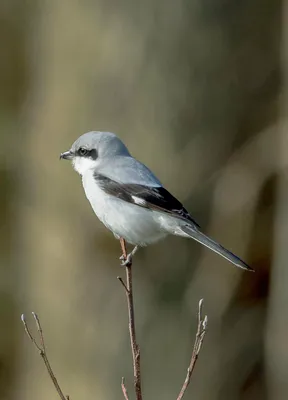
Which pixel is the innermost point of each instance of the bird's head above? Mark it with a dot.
(93, 147)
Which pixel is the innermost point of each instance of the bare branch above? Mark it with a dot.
(132, 330)
(42, 351)
(201, 331)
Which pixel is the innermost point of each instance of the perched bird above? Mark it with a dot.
(128, 198)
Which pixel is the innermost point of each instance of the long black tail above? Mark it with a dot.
(214, 246)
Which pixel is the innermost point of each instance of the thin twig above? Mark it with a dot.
(124, 390)
(132, 330)
(42, 351)
(201, 330)
(40, 331)
(123, 283)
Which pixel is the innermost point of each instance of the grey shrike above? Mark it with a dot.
(128, 198)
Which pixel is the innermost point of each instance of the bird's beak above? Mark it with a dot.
(67, 155)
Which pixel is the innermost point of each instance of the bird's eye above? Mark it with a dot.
(83, 152)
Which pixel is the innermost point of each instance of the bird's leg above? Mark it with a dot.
(123, 248)
(128, 260)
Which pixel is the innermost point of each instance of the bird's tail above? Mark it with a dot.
(214, 246)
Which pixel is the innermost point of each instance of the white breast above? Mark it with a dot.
(135, 224)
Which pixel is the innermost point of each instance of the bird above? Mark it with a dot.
(130, 200)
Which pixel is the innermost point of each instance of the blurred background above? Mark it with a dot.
(197, 91)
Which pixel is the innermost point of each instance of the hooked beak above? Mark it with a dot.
(67, 155)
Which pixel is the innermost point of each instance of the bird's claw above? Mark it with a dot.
(126, 262)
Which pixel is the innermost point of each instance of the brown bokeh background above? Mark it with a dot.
(197, 91)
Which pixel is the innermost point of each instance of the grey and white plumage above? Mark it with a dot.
(129, 199)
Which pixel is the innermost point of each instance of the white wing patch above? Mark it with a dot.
(139, 201)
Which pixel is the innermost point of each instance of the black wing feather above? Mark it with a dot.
(156, 198)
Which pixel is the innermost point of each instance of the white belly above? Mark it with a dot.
(135, 224)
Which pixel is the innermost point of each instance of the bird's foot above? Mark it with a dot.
(126, 261)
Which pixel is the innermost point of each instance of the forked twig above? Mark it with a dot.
(132, 330)
(42, 351)
(201, 331)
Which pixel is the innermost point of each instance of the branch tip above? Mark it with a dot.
(124, 390)
(201, 331)
(42, 352)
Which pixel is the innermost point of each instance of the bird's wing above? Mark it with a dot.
(127, 170)
(150, 197)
